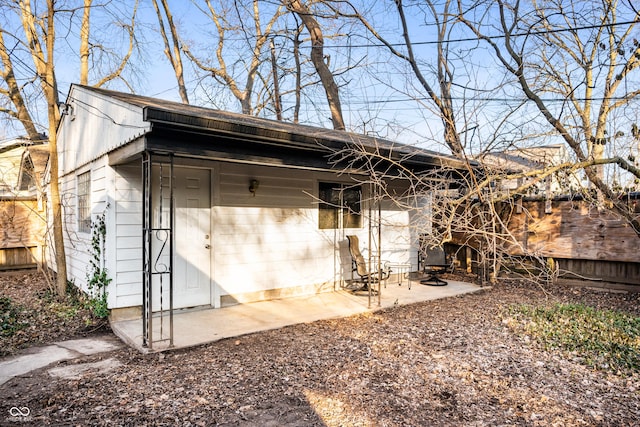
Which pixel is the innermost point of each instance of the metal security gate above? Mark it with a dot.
(157, 249)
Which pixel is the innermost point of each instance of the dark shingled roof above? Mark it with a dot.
(170, 115)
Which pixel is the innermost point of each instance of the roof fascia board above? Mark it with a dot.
(164, 156)
(238, 130)
(329, 142)
(127, 152)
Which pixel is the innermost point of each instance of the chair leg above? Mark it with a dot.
(433, 280)
(364, 289)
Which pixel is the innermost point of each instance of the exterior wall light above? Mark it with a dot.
(253, 186)
(66, 110)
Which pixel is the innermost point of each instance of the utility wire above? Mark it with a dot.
(469, 39)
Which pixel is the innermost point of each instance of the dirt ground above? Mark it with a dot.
(450, 362)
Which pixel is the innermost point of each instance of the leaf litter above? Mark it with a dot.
(441, 363)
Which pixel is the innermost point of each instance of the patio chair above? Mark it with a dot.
(359, 266)
(434, 262)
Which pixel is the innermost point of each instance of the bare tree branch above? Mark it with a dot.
(318, 59)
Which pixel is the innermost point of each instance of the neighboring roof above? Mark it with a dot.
(14, 143)
(39, 155)
(169, 119)
(32, 166)
(524, 159)
(20, 141)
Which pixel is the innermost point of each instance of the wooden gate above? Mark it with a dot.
(22, 230)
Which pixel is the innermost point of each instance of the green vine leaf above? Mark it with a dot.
(97, 278)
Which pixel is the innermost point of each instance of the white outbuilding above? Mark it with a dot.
(209, 208)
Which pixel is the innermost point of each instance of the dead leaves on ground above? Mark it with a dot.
(445, 362)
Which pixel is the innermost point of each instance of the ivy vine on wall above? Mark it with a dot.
(97, 278)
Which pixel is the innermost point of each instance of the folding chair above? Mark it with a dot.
(359, 266)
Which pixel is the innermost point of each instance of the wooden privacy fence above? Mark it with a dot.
(584, 241)
(22, 231)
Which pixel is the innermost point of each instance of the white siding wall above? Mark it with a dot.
(78, 244)
(399, 232)
(127, 273)
(96, 125)
(117, 192)
(272, 240)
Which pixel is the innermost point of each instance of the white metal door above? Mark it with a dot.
(192, 257)
(192, 239)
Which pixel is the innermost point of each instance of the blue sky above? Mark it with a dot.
(376, 100)
(380, 107)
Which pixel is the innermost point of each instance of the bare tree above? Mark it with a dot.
(172, 50)
(448, 204)
(37, 45)
(578, 64)
(228, 20)
(437, 85)
(318, 59)
(580, 77)
(17, 108)
(85, 51)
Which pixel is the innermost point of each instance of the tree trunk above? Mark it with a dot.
(317, 57)
(50, 88)
(56, 206)
(84, 43)
(13, 93)
(276, 86)
(172, 51)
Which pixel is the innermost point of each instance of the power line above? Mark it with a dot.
(478, 99)
(491, 99)
(470, 39)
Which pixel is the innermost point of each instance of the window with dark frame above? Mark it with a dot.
(27, 181)
(340, 206)
(84, 202)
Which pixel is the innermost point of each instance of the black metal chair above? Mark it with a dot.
(359, 266)
(434, 262)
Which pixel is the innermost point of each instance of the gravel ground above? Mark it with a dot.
(445, 362)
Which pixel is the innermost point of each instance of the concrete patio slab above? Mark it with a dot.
(88, 347)
(39, 357)
(76, 371)
(191, 328)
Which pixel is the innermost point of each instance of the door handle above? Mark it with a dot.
(207, 246)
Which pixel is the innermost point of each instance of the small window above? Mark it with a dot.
(84, 202)
(27, 181)
(340, 206)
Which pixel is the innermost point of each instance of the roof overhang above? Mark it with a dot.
(196, 132)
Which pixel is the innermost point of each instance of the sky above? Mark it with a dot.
(377, 102)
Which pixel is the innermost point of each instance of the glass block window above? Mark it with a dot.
(84, 202)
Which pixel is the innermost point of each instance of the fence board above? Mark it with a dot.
(13, 258)
(608, 271)
(22, 230)
(573, 230)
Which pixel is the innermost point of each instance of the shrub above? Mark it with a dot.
(10, 321)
